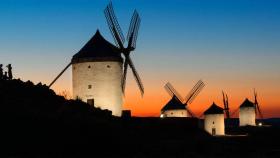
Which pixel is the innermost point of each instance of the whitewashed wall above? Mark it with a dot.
(175, 113)
(247, 116)
(214, 121)
(105, 80)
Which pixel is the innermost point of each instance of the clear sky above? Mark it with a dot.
(232, 45)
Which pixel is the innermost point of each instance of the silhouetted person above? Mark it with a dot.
(10, 74)
(5, 77)
(1, 71)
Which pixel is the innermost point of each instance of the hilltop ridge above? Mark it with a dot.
(37, 122)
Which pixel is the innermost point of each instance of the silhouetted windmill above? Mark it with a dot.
(119, 41)
(177, 106)
(98, 71)
(226, 106)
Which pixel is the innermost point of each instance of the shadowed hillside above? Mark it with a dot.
(37, 122)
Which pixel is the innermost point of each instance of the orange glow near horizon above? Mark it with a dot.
(156, 97)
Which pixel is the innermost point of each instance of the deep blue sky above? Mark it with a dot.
(228, 43)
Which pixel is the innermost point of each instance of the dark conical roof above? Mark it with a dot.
(247, 103)
(97, 48)
(214, 109)
(173, 104)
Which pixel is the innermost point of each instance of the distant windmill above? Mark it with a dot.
(98, 71)
(177, 106)
(226, 106)
(214, 122)
(248, 112)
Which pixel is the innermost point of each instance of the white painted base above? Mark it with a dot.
(214, 124)
(247, 116)
(101, 81)
(175, 113)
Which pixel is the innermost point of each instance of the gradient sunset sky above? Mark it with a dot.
(232, 45)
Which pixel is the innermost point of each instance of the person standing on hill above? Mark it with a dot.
(1, 72)
(5, 77)
(10, 74)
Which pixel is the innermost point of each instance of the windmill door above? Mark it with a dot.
(213, 131)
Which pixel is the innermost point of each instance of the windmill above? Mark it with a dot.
(98, 71)
(214, 122)
(177, 106)
(226, 106)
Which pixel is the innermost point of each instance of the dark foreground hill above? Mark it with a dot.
(35, 122)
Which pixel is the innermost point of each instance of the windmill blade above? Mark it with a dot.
(255, 101)
(131, 26)
(133, 30)
(194, 92)
(194, 96)
(135, 74)
(259, 111)
(227, 101)
(136, 32)
(227, 106)
(224, 99)
(172, 92)
(114, 26)
(168, 89)
(124, 76)
(59, 74)
(190, 112)
(257, 107)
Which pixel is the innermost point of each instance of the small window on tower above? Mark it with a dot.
(108, 66)
(74, 67)
(213, 122)
(89, 66)
(89, 86)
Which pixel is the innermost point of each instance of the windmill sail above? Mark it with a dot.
(114, 26)
(172, 91)
(226, 106)
(257, 107)
(60, 74)
(136, 76)
(119, 40)
(133, 30)
(194, 92)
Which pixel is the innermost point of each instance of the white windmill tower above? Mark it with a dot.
(214, 122)
(98, 70)
(248, 111)
(176, 107)
(247, 114)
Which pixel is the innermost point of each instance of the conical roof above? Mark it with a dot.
(247, 103)
(173, 104)
(96, 49)
(214, 109)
